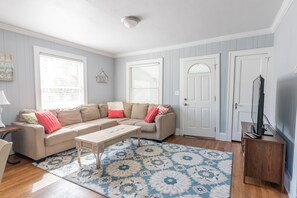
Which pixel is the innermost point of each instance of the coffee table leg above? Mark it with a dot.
(138, 137)
(78, 147)
(98, 154)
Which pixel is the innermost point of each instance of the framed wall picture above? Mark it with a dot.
(6, 67)
(101, 77)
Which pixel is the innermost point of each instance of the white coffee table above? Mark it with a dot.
(99, 140)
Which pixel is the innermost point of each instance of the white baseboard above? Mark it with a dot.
(288, 185)
(222, 136)
(177, 131)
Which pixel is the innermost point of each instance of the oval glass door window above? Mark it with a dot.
(199, 69)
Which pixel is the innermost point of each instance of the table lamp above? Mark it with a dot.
(3, 101)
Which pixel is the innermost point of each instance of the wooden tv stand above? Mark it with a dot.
(264, 158)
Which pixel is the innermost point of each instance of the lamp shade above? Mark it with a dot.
(3, 99)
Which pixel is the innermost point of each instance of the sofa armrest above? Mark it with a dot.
(29, 140)
(165, 125)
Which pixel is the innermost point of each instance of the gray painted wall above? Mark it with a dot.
(285, 61)
(171, 68)
(21, 92)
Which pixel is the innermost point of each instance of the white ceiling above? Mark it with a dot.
(96, 23)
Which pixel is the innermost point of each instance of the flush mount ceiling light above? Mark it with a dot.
(130, 21)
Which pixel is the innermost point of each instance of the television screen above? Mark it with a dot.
(258, 105)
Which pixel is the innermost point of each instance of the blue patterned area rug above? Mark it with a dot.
(152, 170)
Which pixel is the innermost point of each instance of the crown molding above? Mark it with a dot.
(280, 14)
(27, 32)
(199, 42)
(277, 20)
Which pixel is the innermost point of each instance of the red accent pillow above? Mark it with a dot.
(150, 117)
(115, 113)
(48, 120)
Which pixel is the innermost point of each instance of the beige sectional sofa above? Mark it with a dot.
(32, 141)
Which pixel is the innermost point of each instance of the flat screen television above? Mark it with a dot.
(257, 112)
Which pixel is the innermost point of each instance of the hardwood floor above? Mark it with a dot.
(25, 180)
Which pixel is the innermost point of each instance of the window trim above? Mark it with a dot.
(145, 63)
(41, 50)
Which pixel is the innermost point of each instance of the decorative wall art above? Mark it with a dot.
(6, 67)
(101, 77)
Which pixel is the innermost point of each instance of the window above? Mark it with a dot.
(199, 69)
(145, 81)
(59, 79)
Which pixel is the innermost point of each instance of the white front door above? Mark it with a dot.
(199, 95)
(246, 68)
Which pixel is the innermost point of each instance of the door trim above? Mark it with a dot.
(231, 70)
(181, 87)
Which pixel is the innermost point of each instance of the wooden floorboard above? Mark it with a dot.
(25, 180)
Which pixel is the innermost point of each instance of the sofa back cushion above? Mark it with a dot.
(70, 116)
(103, 108)
(54, 111)
(127, 109)
(139, 111)
(89, 112)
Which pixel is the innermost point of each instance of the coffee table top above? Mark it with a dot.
(107, 134)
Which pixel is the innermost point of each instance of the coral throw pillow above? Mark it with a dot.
(115, 113)
(48, 120)
(150, 117)
(162, 110)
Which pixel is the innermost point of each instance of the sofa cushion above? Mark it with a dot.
(71, 116)
(48, 120)
(61, 135)
(127, 109)
(104, 123)
(119, 119)
(89, 112)
(83, 128)
(130, 121)
(147, 127)
(103, 108)
(139, 111)
(54, 111)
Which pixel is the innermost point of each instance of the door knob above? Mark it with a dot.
(186, 104)
(235, 105)
(185, 98)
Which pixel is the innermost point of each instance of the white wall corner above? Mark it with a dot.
(287, 181)
(177, 131)
(290, 185)
(280, 14)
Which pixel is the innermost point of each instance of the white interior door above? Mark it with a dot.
(246, 69)
(199, 89)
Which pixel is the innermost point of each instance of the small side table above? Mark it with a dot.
(4, 132)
